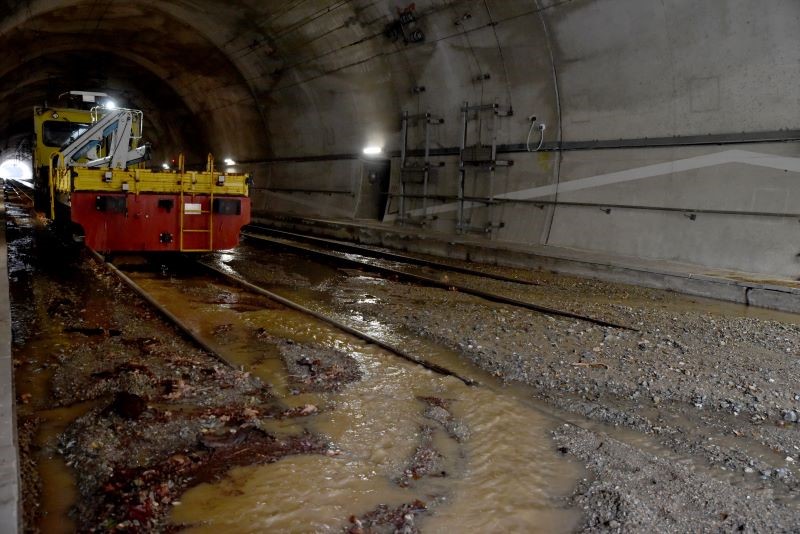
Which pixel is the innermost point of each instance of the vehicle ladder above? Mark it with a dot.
(209, 213)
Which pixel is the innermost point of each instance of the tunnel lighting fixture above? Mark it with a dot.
(165, 166)
(372, 150)
(229, 161)
(110, 104)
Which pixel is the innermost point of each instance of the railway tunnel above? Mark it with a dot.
(512, 266)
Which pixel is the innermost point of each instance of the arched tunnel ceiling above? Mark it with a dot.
(311, 77)
(169, 125)
(272, 78)
(199, 99)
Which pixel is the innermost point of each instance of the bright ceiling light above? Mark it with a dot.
(372, 150)
(110, 104)
(229, 161)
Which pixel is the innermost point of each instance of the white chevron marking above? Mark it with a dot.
(638, 173)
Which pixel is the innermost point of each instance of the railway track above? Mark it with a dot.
(254, 288)
(241, 282)
(18, 190)
(514, 412)
(192, 334)
(344, 246)
(493, 389)
(249, 286)
(492, 384)
(344, 254)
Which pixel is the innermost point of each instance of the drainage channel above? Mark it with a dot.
(407, 438)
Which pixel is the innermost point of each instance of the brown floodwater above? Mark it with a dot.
(506, 476)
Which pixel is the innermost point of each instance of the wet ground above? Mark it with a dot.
(711, 386)
(687, 424)
(118, 414)
(414, 449)
(131, 428)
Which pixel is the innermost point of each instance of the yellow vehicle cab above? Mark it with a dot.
(91, 166)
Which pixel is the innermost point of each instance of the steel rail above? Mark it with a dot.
(366, 251)
(17, 189)
(424, 280)
(341, 326)
(183, 327)
(366, 337)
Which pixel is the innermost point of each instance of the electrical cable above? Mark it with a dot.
(559, 124)
(541, 138)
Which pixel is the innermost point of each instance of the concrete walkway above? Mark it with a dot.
(752, 289)
(9, 461)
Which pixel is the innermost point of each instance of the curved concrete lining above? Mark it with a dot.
(297, 89)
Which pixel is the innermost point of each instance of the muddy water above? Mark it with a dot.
(36, 341)
(58, 489)
(506, 476)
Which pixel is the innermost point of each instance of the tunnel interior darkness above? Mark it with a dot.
(142, 56)
(170, 127)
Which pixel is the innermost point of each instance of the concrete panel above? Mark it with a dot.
(774, 299)
(7, 414)
(761, 245)
(744, 178)
(647, 69)
(319, 187)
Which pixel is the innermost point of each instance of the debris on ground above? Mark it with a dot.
(386, 520)
(313, 367)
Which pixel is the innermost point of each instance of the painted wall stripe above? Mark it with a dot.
(648, 171)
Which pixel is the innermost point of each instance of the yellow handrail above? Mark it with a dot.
(52, 179)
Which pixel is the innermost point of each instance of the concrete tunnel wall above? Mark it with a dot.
(625, 71)
(665, 105)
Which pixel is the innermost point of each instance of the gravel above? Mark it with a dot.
(713, 384)
(635, 491)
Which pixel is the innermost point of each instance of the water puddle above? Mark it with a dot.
(59, 491)
(505, 476)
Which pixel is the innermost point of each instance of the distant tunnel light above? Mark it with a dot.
(373, 150)
(229, 161)
(165, 166)
(16, 169)
(110, 104)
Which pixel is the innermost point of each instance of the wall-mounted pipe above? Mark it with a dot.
(779, 136)
(307, 191)
(542, 203)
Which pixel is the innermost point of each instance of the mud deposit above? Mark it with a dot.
(678, 422)
(118, 414)
(688, 423)
(127, 427)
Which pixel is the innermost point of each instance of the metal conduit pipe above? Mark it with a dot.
(782, 136)
(542, 203)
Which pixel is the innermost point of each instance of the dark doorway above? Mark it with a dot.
(374, 193)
